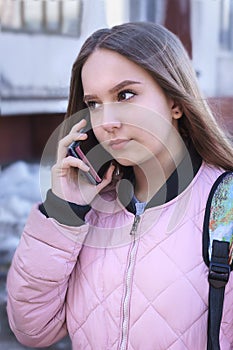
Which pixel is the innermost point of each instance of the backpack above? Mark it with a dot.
(218, 250)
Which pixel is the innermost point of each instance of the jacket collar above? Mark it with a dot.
(175, 184)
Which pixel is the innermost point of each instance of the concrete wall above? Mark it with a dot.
(213, 64)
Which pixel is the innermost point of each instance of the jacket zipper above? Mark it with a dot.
(135, 224)
(129, 275)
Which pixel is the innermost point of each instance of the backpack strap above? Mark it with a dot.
(217, 250)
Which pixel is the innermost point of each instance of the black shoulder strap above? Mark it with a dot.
(219, 272)
(217, 237)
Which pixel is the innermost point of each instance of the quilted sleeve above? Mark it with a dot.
(38, 278)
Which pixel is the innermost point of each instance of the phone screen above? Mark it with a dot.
(94, 155)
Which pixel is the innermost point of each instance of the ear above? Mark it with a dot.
(176, 110)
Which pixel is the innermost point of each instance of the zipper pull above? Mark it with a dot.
(135, 224)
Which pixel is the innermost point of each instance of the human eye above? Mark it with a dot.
(92, 105)
(125, 95)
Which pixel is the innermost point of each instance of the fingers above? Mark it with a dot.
(74, 135)
(107, 178)
(73, 162)
(62, 170)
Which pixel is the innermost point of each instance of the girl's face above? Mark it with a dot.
(130, 114)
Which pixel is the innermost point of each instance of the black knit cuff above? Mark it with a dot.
(64, 212)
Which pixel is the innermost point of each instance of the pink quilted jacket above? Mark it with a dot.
(110, 289)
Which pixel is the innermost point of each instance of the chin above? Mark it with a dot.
(125, 162)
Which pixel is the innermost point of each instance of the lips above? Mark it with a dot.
(118, 144)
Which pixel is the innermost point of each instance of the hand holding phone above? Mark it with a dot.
(64, 183)
(93, 155)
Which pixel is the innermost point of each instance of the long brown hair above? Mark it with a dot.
(161, 53)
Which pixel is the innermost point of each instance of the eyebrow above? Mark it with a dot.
(115, 89)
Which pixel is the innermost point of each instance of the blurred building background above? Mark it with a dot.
(41, 39)
(39, 43)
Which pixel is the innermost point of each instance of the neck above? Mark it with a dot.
(151, 175)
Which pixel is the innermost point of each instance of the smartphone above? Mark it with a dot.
(92, 154)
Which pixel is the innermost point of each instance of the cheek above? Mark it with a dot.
(155, 100)
(158, 138)
(98, 133)
(153, 129)
(153, 119)
(95, 124)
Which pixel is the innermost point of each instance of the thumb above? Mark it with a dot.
(107, 178)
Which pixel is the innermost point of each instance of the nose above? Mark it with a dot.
(110, 117)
